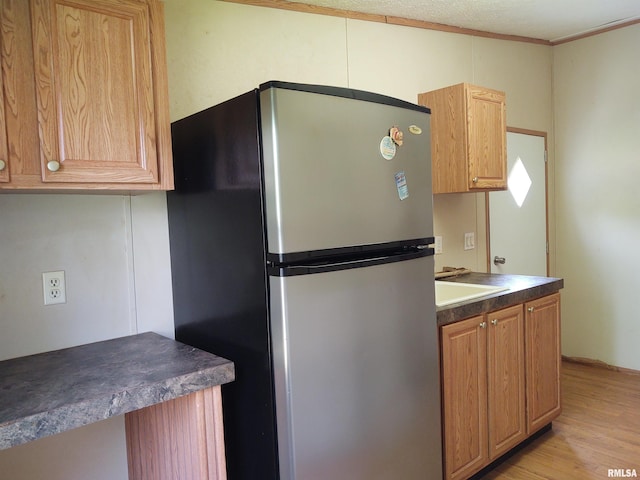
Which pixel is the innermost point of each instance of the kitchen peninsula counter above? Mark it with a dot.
(52, 392)
(522, 288)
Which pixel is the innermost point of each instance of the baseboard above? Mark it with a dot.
(599, 364)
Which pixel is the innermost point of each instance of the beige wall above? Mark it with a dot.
(598, 204)
(217, 50)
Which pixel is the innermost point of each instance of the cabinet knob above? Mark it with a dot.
(53, 166)
(530, 309)
(494, 321)
(499, 260)
(2, 165)
(474, 179)
(483, 324)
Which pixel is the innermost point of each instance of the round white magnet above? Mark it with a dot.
(387, 148)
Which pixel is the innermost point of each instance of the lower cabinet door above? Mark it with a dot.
(464, 383)
(506, 381)
(542, 345)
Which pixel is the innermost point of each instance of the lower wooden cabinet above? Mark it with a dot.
(483, 389)
(500, 382)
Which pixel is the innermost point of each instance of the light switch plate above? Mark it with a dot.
(469, 241)
(438, 245)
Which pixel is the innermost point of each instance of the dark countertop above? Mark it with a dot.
(52, 392)
(522, 288)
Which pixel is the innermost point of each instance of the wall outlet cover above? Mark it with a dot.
(54, 288)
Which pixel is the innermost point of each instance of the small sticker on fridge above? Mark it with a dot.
(401, 185)
(387, 148)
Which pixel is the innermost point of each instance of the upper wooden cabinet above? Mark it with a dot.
(468, 138)
(88, 102)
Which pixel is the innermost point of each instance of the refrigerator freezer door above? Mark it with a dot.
(332, 178)
(356, 373)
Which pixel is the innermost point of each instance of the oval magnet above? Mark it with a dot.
(387, 148)
(416, 130)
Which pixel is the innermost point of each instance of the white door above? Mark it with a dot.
(518, 216)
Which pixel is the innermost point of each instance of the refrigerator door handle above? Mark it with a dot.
(307, 269)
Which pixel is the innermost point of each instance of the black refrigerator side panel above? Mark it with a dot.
(218, 269)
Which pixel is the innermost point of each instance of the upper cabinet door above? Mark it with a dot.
(487, 138)
(94, 88)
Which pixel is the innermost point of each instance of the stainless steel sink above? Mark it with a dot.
(454, 292)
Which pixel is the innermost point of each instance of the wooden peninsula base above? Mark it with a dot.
(178, 439)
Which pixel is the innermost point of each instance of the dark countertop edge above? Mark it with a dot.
(522, 288)
(66, 418)
(77, 414)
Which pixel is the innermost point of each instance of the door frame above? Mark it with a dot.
(535, 133)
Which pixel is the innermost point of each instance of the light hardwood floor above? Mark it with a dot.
(598, 430)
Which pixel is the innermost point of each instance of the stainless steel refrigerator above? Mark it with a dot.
(299, 233)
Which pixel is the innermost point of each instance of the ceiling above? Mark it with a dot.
(551, 20)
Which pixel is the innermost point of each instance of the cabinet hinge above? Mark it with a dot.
(546, 156)
(547, 248)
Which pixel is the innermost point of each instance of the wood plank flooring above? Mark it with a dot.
(598, 430)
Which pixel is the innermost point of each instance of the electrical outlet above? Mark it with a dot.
(438, 245)
(469, 241)
(54, 288)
